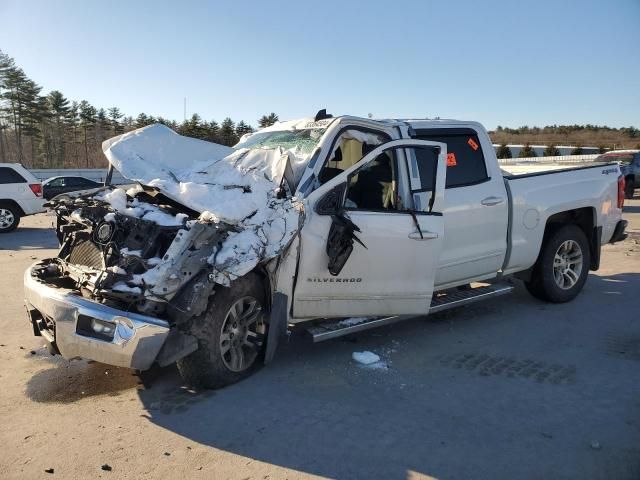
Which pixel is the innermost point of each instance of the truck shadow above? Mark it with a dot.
(315, 411)
(70, 381)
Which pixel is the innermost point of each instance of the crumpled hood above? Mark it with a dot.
(203, 176)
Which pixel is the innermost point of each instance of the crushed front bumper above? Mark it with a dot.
(77, 327)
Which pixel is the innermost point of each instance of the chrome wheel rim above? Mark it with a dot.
(6, 218)
(567, 264)
(242, 335)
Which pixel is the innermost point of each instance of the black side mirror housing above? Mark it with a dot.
(331, 202)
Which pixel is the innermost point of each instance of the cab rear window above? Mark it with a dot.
(9, 175)
(465, 160)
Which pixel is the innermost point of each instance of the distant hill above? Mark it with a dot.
(575, 135)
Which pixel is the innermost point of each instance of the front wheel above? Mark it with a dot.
(9, 218)
(562, 267)
(231, 336)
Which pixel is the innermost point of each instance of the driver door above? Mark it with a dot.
(395, 197)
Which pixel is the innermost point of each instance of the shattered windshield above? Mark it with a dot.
(303, 141)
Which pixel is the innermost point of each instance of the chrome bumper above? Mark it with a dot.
(134, 340)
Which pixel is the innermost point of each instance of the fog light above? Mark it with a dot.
(102, 327)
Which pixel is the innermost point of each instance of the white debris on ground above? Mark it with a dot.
(365, 358)
(235, 187)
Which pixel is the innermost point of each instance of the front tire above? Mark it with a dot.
(562, 266)
(9, 218)
(231, 336)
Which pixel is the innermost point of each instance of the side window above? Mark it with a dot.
(58, 182)
(9, 175)
(373, 186)
(348, 149)
(465, 160)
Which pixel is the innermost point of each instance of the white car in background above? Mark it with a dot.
(20, 195)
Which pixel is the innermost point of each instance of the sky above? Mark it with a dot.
(500, 62)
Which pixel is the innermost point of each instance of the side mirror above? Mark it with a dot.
(340, 242)
(331, 202)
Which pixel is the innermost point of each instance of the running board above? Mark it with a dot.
(328, 329)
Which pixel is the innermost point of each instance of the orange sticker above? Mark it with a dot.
(451, 160)
(472, 143)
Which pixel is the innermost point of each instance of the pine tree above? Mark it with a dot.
(59, 109)
(114, 120)
(551, 151)
(242, 129)
(504, 151)
(228, 132)
(213, 132)
(268, 120)
(527, 151)
(142, 120)
(87, 124)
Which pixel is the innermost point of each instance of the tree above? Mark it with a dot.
(142, 120)
(551, 151)
(228, 132)
(242, 129)
(268, 120)
(504, 151)
(114, 120)
(527, 151)
(577, 151)
(87, 124)
(59, 110)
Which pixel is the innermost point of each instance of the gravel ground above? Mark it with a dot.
(512, 388)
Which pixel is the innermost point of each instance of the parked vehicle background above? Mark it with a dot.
(20, 195)
(629, 165)
(56, 185)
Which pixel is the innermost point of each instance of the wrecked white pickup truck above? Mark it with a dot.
(335, 225)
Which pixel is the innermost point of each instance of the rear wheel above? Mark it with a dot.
(231, 336)
(9, 218)
(562, 267)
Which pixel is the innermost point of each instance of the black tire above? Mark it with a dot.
(629, 188)
(208, 367)
(9, 218)
(543, 284)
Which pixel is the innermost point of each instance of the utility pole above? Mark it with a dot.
(185, 109)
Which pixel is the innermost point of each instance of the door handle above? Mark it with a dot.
(491, 201)
(425, 235)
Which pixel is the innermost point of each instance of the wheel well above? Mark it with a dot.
(12, 203)
(585, 218)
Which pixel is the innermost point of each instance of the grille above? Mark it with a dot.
(88, 254)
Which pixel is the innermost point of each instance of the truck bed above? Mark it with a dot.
(516, 168)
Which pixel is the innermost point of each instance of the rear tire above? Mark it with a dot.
(231, 336)
(9, 218)
(562, 266)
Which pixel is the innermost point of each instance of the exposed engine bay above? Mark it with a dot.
(135, 263)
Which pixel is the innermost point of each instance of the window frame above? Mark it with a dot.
(339, 133)
(396, 164)
(445, 133)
